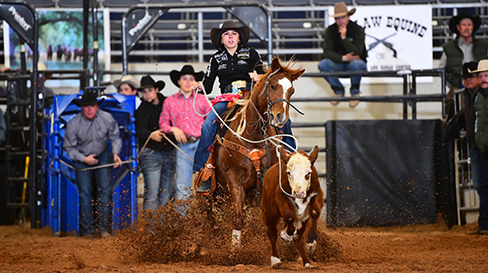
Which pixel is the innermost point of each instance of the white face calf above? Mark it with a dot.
(299, 170)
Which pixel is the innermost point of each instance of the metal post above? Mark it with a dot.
(414, 101)
(270, 39)
(86, 13)
(34, 198)
(200, 37)
(96, 79)
(405, 92)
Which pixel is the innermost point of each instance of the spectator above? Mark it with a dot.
(157, 158)
(128, 86)
(85, 142)
(464, 48)
(344, 50)
(472, 86)
(237, 65)
(481, 136)
(182, 116)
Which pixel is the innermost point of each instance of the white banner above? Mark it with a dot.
(397, 37)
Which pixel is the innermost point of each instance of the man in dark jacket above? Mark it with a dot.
(481, 136)
(158, 158)
(344, 50)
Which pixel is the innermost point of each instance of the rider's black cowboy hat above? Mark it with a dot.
(89, 98)
(454, 21)
(216, 33)
(148, 81)
(186, 70)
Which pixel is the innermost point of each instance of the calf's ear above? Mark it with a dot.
(284, 154)
(312, 156)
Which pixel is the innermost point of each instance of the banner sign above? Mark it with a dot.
(139, 21)
(21, 19)
(397, 37)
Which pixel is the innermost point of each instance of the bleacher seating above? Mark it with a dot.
(297, 25)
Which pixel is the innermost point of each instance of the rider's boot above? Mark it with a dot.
(205, 186)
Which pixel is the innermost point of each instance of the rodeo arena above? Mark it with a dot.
(254, 136)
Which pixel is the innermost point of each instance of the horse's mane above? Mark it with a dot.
(288, 68)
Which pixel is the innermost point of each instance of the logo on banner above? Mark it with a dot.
(19, 19)
(397, 38)
(141, 24)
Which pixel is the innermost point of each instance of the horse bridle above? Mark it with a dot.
(271, 103)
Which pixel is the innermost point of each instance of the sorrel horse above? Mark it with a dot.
(291, 191)
(240, 159)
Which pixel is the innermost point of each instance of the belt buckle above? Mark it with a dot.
(238, 86)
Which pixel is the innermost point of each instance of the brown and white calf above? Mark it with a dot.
(296, 199)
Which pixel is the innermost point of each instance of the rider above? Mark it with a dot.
(237, 65)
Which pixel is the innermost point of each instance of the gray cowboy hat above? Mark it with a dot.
(128, 79)
(186, 70)
(148, 81)
(216, 33)
(454, 21)
(89, 98)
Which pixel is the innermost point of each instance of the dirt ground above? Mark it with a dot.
(178, 247)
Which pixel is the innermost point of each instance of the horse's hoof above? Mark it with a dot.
(287, 238)
(308, 266)
(275, 262)
(311, 247)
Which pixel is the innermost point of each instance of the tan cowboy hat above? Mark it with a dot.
(482, 67)
(340, 9)
(216, 33)
(128, 79)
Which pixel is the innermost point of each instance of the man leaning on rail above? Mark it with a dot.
(344, 50)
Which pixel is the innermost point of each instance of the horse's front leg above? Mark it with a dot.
(237, 194)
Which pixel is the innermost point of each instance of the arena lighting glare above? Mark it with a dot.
(307, 25)
(181, 26)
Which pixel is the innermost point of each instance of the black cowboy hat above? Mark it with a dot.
(175, 75)
(216, 33)
(88, 98)
(148, 81)
(469, 66)
(454, 21)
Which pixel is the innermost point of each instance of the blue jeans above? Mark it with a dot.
(158, 169)
(209, 131)
(479, 169)
(104, 193)
(184, 171)
(326, 65)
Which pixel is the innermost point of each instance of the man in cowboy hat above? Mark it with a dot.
(183, 115)
(157, 159)
(344, 50)
(85, 141)
(481, 137)
(464, 48)
(127, 85)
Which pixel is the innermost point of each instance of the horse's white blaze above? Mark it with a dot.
(286, 84)
(299, 172)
